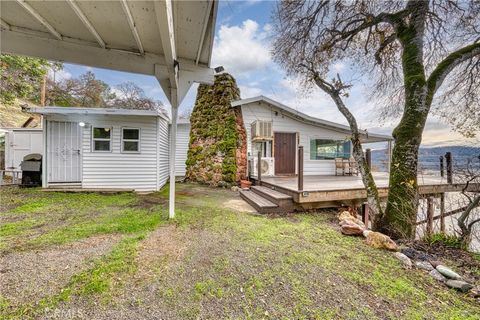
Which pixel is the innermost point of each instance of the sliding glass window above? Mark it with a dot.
(326, 149)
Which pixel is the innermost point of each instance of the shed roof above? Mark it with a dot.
(95, 111)
(367, 137)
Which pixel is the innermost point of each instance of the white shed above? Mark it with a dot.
(105, 148)
(19, 142)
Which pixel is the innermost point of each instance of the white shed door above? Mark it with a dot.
(21, 144)
(64, 151)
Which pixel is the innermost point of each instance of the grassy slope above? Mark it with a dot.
(12, 116)
(225, 264)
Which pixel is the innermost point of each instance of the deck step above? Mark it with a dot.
(270, 193)
(260, 204)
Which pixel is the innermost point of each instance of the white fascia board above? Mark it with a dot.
(325, 123)
(20, 129)
(95, 111)
(39, 44)
(212, 31)
(205, 24)
(77, 52)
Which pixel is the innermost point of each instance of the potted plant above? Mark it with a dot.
(245, 184)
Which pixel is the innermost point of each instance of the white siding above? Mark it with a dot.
(163, 151)
(283, 123)
(19, 143)
(115, 169)
(183, 138)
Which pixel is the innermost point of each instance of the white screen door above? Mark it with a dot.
(64, 144)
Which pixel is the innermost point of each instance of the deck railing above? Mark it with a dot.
(300, 168)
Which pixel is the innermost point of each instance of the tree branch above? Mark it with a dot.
(462, 219)
(439, 74)
(388, 40)
(334, 90)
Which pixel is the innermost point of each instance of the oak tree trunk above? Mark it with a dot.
(402, 203)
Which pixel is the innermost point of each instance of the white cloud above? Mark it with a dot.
(242, 49)
(313, 102)
(59, 75)
(440, 134)
(249, 92)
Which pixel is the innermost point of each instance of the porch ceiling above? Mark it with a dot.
(171, 40)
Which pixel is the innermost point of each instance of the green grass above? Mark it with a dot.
(43, 219)
(124, 222)
(219, 263)
(447, 240)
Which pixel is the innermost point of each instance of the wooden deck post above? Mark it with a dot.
(300, 168)
(365, 214)
(448, 158)
(441, 167)
(368, 158)
(430, 212)
(442, 212)
(259, 168)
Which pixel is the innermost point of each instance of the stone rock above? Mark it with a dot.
(346, 217)
(435, 263)
(352, 229)
(449, 273)
(459, 285)
(234, 188)
(380, 241)
(425, 265)
(437, 275)
(366, 232)
(475, 292)
(407, 263)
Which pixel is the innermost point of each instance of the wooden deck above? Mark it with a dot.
(334, 191)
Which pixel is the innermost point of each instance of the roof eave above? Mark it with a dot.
(324, 123)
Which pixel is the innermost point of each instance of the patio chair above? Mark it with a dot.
(353, 166)
(339, 165)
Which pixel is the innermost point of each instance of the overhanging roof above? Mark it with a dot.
(171, 40)
(367, 137)
(94, 111)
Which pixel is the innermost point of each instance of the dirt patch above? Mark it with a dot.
(148, 202)
(30, 276)
(164, 243)
(238, 205)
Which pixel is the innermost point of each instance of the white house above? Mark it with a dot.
(276, 130)
(129, 149)
(109, 148)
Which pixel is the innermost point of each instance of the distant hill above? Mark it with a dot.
(429, 158)
(12, 116)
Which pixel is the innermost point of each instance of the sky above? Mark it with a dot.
(242, 46)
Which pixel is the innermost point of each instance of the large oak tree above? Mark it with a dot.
(422, 56)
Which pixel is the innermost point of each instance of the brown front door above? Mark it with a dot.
(285, 153)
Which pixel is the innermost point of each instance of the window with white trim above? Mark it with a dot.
(130, 140)
(102, 139)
